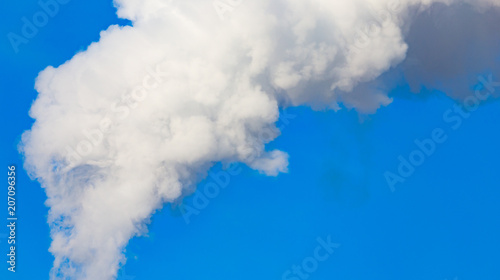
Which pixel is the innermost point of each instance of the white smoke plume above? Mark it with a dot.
(138, 118)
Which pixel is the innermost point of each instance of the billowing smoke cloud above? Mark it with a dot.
(138, 118)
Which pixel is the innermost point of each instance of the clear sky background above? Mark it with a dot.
(441, 223)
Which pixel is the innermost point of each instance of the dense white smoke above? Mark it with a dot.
(140, 116)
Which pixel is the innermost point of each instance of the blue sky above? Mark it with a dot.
(441, 223)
